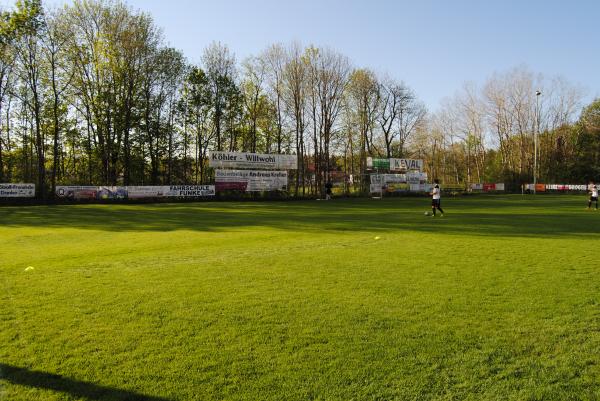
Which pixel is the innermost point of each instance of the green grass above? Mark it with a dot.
(498, 300)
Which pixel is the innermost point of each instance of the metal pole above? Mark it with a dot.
(535, 138)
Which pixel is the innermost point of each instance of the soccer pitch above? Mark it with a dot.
(498, 300)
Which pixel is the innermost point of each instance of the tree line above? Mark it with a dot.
(92, 94)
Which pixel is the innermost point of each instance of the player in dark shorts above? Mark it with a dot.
(593, 196)
(436, 198)
(328, 187)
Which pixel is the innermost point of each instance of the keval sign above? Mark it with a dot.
(406, 164)
(395, 164)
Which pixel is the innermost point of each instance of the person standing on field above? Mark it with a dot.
(593, 195)
(328, 187)
(436, 198)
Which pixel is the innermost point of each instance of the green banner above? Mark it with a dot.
(378, 163)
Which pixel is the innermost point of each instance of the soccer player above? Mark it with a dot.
(435, 198)
(328, 187)
(593, 195)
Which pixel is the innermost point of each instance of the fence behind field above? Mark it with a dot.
(25, 192)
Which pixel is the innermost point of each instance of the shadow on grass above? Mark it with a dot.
(502, 216)
(75, 388)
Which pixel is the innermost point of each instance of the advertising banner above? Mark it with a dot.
(375, 163)
(577, 187)
(397, 182)
(421, 187)
(75, 192)
(184, 191)
(397, 187)
(411, 177)
(375, 188)
(477, 187)
(106, 193)
(147, 191)
(395, 164)
(562, 187)
(133, 192)
(406, 164)
(377, 179)
(189, 191)
(251, 180)
(377, 182)
(394, 178)
(252, 160)
(416, 177)
(489, 187)
(499, 186)
(17, 190)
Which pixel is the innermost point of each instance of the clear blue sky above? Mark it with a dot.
(434, 46)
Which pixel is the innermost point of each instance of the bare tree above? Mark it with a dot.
(219, 64)
(275, 59)
(334, 72)
(255, 71)
(294, 94)
(363, 98)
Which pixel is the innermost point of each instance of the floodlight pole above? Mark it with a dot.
(535, 138)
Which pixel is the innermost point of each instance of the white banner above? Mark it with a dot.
(377, 183)
(392, 182)
(375, 188)
(17, 190)
(394, 178)
(411, 177)
(252, 160)
(561, 187)
(415, 177)
(378, 179)
(190, 191)
(140, 192)
(133, 192)
(577, 187)
(251, 180)
(77, 192)
(111, 193)
(421, 187)
(406, 164)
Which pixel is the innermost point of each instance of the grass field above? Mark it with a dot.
(498, 300)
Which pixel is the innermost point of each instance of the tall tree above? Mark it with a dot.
(29, 23)
(363, 100)
(219, 65)
(59, 76)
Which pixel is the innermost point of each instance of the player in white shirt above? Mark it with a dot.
(593, 195)
(435, 198)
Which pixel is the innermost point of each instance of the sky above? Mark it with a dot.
(433, 46)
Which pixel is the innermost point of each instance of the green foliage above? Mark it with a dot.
(27, 18)
(93, 94)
